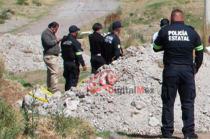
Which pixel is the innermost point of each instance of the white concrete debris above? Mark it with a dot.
(135, 107)
(24, 52)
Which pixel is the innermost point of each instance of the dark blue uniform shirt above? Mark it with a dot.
(71, 50)
(178, 42)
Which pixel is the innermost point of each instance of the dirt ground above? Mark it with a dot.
(69, 12)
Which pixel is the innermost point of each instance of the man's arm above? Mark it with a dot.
(48, 40)
(198, 53)
(117, 49)
(158, 42)
(78, 53)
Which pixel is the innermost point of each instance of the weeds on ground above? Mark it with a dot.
(9, 127)
(73, 127)
(5, 14)
(22, 2)
(37, 2)
(22, 81)
(31, 118)
(104, 134)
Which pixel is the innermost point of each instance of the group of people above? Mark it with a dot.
(178, 41)
(104, 49)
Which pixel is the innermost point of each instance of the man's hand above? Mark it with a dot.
(59, 39)
(84, 68)
(195, 68)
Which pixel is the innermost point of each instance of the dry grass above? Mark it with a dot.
(143, 16)
(11, 91)
(32, 10)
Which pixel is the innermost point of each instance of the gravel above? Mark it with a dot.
(135, 107)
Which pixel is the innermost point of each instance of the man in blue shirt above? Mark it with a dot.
(178, 42)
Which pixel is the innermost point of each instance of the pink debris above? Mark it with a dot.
(103, 80)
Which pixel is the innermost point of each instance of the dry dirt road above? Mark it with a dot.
(71, 12)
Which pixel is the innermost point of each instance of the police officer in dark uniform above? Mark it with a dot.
(96, 41)
(112, 46)
(72, 56)
(178, 42)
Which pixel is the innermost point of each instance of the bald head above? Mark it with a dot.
(177, 15)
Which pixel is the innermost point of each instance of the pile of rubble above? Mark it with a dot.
(23, 52)
(134, 104)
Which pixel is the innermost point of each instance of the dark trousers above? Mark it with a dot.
(181, 78)
(96, 63)
(71, 74)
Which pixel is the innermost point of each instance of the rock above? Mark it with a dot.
(71, 105)
(153, 122)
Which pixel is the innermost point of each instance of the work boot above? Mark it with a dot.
(167, 137)
(193, 136)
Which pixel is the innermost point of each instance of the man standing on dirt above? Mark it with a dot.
(50, 43)
(112, 47)
(96, 41)
(178, 42)
(72, 56)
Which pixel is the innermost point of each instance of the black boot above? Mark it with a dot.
(193, 136)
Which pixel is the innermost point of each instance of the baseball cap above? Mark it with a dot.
(73, 28)
(116, 24)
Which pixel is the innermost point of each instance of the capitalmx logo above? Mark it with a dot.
(133, 90)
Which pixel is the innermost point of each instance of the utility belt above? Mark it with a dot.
(73, 61)
(179, 66)
(51, 54)
(99, 54)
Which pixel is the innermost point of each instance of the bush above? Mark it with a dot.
(73, 127)
(5, 14)
(2, 21)
(9, 127)
(37, 2)
(22, 2)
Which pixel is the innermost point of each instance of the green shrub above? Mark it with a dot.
(5, 14)
(31, 118)
(2, 21)
(9, 127)
(73, 127)
(37, 2)
(22, 2)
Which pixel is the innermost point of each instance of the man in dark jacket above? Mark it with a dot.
(112, 46)
(178, 42)
(50, 43)
(72, 56)
(96, 41)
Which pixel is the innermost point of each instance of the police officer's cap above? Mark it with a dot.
(97, 26)
(116, 25)
(164, 22)
(73, 28)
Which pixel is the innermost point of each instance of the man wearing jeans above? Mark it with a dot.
(51, 52)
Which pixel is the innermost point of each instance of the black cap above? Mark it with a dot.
(116, 25)
(164, 22)
(73, 28)
(97, 26)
